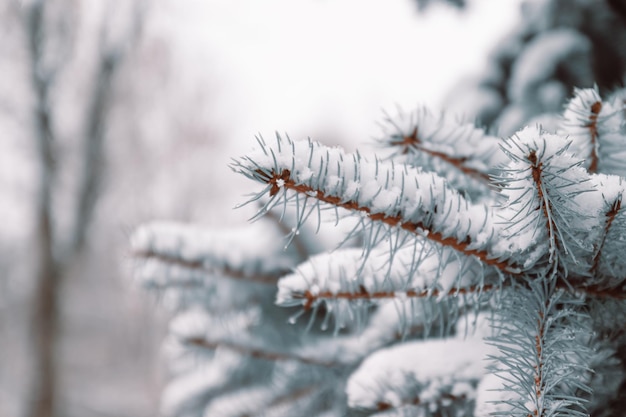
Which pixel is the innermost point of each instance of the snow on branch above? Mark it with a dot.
(261, 353)
(544, 356)
(429, 374)
(608, 262)
(189, 390)
(458, 150)
(200, 330)
(194, 382)
(597, 130)
(552, 203)
(542, 255)
(401, 198)
(277, 395)
(416, 378)
(347, 284)
(580, 123)
(172, 254)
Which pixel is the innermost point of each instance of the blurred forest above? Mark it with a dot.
(90, 117)
(105, 125)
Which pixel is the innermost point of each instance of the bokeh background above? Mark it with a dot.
(113, 113)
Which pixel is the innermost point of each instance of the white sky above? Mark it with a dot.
(320, 68)
(326, 67)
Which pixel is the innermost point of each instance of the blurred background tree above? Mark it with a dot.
(557, 45)
(59, 85)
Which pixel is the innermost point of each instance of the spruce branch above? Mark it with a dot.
(543, 351)
(418, 203)
(363, 294)
(413, 142)
(546, 189)
(192, 256)
(267, 399)
(596, 130)
(543, 258)
(610, 216)
(256, 353)
(290, 400)
(272, 398)
(410, 374)
(580, 122)
(193, 387)
(444, 403)
(347, 284)
(458, 150)
(601, 292)
(189, 266)
(199, 329)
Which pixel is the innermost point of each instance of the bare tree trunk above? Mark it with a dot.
(45, 318)
(44, 315)
(45, 299)
(53, 261)
(92, 161)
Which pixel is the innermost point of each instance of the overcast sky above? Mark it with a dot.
(326, 67)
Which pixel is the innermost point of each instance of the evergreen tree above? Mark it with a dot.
(454, 273)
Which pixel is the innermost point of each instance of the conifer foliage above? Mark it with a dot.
(454, 274)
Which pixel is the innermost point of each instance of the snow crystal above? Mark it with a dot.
(352, 188)
(305, 174)
(385, 200)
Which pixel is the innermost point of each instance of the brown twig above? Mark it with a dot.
(201, 265)
(283, 179)
(448, 397)
(544, 203)
(413, 141)
(593, 130)
(311, 298)
(601, 293)
(539, 377)
(363, 294)
(610, 217)
(257, 353)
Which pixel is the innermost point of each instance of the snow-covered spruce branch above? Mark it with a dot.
(191, 254)
(396, 196)
(347, 284)
(542, 251)
(610, 215)
(267, 399)
(556, 207)
(311, 298)
(255, 353)
(198, 329)
(596, 128)
(543, 339)
(546, 188)
(388, 324)
(410, 377)
(458, 150)
(608, 262)
(435, 374)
